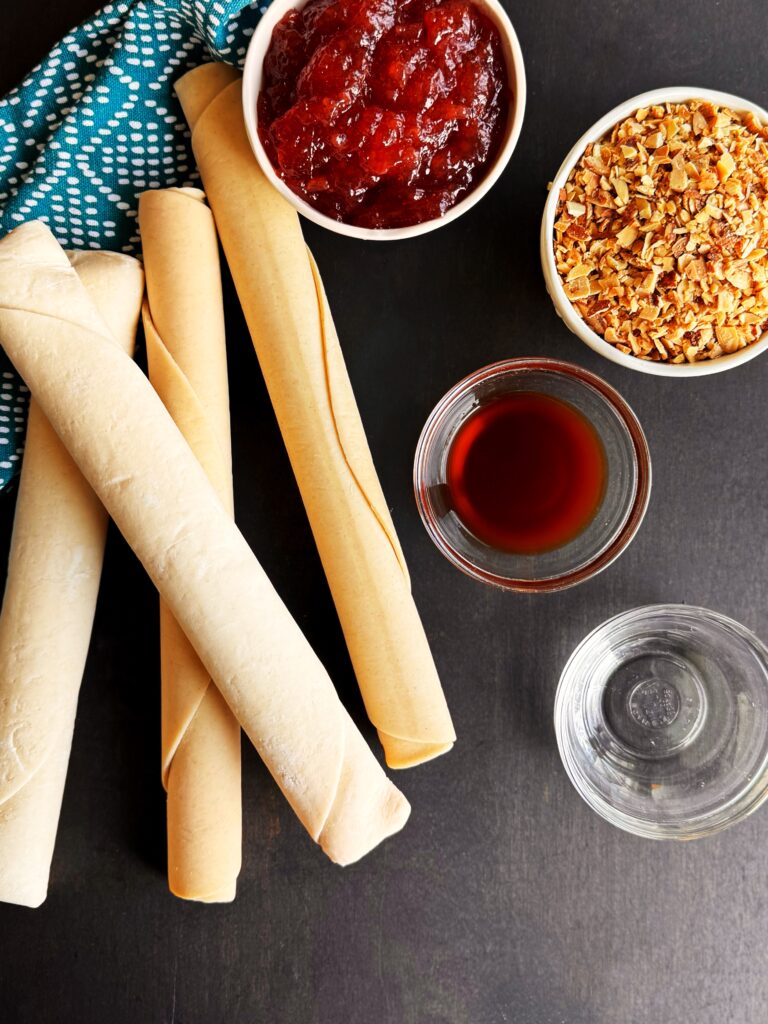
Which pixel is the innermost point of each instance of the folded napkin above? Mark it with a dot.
(95, 124)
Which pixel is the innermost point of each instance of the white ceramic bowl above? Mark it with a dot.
(252, 75)
(565, 310)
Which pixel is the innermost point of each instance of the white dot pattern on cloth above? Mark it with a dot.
(96, 123)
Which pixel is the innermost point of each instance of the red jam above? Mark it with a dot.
(383, 113)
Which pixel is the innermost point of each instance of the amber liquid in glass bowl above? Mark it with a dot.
(532, 474)
(526, 472)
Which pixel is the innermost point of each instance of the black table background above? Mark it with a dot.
(505, 899)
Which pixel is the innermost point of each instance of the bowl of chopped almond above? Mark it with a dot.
(654, 239)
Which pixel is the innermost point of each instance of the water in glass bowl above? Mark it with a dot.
(662, 721)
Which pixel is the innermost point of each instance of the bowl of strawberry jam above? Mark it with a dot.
(383, 119)
(532, 474)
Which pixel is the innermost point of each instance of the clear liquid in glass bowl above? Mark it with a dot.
(661, 717)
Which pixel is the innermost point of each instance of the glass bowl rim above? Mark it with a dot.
(642, 462)
(738, 807)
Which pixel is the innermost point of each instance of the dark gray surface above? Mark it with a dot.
(505, 899)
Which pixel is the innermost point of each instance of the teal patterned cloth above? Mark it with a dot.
(95, 124)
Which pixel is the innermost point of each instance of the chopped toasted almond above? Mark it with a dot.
(661, 237)
(678, 179)
(698, 123)
(739, 277)
(626, 236)
(648, 312)
(725, 166)
(708, 181)
(578, 288)
(696, 270)
(621, 189)
(728, 338)
(648, 285)
(580, 270)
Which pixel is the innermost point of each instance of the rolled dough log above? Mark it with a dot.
(129, 449)
(292, 330)
(184, 329)
(54, 569)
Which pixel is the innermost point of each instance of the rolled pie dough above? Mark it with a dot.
(54, 569)
(127, 446)
(292, 330)
(184, 329)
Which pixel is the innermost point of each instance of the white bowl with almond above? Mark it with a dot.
(654, 239)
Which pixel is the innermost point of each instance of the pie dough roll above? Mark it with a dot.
(54, 568)
(184, 329)
(293, 333)
(120, 434)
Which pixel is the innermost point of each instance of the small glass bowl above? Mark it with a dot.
(661, 717)
(628, 476)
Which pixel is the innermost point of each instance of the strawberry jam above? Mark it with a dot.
(383, 113)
